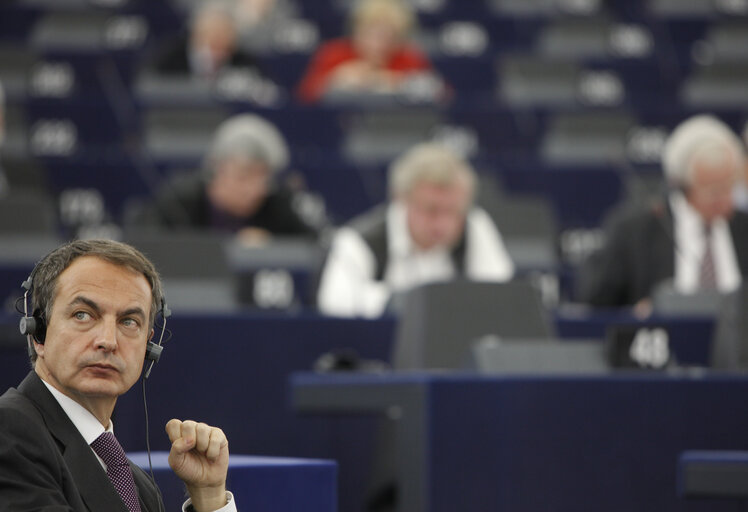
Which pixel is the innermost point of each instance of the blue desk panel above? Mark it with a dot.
(272, 484)
(542, 443)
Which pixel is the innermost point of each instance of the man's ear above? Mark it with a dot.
(150, 336)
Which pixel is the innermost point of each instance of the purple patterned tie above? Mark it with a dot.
(117, 469)
(707, 272)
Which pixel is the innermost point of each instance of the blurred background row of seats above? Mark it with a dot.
(562, 105)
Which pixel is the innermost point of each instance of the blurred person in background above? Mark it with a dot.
(258, 22)
(693, 236)
(377, 58)
(209, 48)
(741, 189)
(236, 190)
(430, 231)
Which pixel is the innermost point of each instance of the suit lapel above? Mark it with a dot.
(147, 492)
(90, 478)
(663, 248)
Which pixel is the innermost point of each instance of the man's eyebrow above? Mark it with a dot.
(133, 311)
(84, 300)
(138, 311)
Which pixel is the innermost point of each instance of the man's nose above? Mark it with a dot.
(106, 338)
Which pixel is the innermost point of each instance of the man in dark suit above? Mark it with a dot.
(94, 304)
(693, 236)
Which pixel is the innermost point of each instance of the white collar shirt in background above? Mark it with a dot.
(348, 286)
(690, 245)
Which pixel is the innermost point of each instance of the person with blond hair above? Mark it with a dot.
(430, 231)
(694, 236)
(377, 58)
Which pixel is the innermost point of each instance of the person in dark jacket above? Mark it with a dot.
(236, 190)
(693, 236)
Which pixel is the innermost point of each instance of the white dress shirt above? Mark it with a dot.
(348, 286)
(90, 428)
(690, 245)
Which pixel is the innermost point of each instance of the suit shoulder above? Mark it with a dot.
(740, 219)
(19, 415)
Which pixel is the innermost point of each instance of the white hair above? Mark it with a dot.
(429, 163)
(700, 137)
(211, 7)
(250, 137)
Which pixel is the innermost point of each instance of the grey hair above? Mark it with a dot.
(250, 137)
(429, 163)
(702, 136)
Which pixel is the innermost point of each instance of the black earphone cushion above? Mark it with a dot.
(34, 326)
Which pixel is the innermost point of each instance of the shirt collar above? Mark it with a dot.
(86, 423)
(400, 243)
(689, 218)
(682, 209)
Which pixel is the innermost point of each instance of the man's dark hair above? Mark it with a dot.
(45, 274)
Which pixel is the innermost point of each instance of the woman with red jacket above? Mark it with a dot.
(376, 58)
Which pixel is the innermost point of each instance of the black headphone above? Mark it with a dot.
(35, 326)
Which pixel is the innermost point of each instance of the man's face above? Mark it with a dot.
(215, 35)
(96, 333)
(710, 192)
(239, 186)
(376, 40)
(436, 214)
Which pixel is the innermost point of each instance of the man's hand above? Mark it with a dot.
(199, 456)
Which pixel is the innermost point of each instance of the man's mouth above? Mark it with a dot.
(103, 367)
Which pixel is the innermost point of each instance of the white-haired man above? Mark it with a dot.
(430, 231)
(236, 190)
(694, 237)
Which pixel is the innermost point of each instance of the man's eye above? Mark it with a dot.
(81, 315)
(130, 322)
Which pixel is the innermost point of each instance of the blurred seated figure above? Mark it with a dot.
(376, 59)
(741, 190)
(209, 48)
(429, 232)
(693, 236)
(236, 190)
(258, 22)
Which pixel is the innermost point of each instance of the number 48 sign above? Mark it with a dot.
(650, 347)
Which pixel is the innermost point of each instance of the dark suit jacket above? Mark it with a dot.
(45, 464)
(639, 253)
(183, 203)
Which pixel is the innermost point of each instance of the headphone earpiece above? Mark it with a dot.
(34, 326)
(153, 351)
